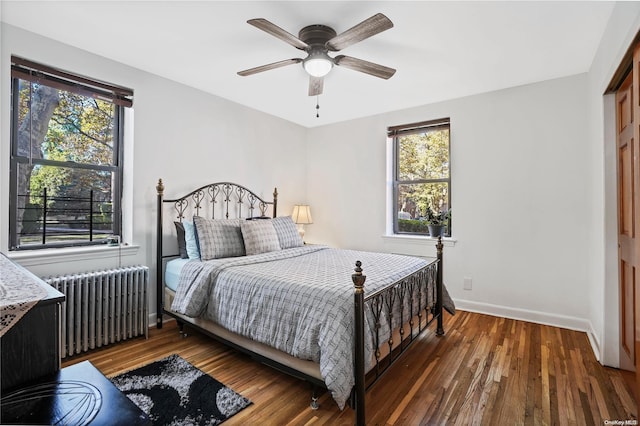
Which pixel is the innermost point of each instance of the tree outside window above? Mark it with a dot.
(422, 176)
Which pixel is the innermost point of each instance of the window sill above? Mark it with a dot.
(414, 245)
(71, 254)
(418, 240)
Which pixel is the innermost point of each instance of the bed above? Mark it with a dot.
(249, 281)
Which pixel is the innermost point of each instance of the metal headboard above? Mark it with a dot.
(221, 196)
(219, 200)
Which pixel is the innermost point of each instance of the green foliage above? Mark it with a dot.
(24, 100)
(417, 226)
(438, 218)
(414, 226)
(82, 127)
(423, 157)
(48, 177)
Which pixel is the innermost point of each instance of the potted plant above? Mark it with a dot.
(437, 221)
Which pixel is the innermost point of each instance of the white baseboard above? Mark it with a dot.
(545, 318)
(153, 320)
(595, 343)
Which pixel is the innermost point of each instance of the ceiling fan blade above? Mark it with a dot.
(365, 29)
(315, 85)
(278, 32)
(268, 67)
(366, 67)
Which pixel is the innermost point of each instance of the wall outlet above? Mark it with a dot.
(467, 283)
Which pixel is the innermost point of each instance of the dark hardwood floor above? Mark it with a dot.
(486, 370)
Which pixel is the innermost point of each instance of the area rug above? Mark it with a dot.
(173, 392)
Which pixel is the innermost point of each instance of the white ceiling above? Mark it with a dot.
(441, 50)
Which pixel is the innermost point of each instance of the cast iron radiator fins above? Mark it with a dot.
(102, 307)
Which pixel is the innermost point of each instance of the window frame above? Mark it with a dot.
(22, 69)
(394, 133)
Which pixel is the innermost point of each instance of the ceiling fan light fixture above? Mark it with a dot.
(317, 64)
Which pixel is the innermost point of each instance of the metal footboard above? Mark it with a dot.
(409, 306)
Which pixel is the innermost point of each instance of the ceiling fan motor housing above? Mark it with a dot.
(317, 34)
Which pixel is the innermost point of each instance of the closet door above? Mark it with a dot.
(635, 250)
(627, 189)
(628, 157)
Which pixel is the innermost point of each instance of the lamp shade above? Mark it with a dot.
(302, 214)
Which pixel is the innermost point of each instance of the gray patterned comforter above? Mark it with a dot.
(298, 300)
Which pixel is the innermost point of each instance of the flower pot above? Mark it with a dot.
(436, 230)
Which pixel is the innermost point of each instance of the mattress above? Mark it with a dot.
(172, 272)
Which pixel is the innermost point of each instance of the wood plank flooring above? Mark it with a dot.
(485, 371)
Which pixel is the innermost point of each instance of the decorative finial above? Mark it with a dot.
(358, 279)
(160, 187)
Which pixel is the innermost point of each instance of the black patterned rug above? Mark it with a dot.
(173, 392)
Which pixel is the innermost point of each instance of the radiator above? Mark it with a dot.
(102, 307)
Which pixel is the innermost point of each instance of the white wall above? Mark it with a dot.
(521, 196)
(603, 289)
(182, 135)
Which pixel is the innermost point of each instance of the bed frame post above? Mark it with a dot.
(439, 284)
(358, 298)
(275, 201)
(159, 278)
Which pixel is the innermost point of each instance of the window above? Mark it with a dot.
(66, 157)
(422, 176)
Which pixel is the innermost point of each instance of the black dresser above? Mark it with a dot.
(31, 347)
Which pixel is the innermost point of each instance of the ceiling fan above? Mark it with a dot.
(317, 41)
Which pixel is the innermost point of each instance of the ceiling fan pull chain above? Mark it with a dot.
(317, 107)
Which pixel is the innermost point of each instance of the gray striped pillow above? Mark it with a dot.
(259, 236)
(218, 238)
(287, 231)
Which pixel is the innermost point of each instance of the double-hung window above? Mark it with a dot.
(66, 157)
(421, 176)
